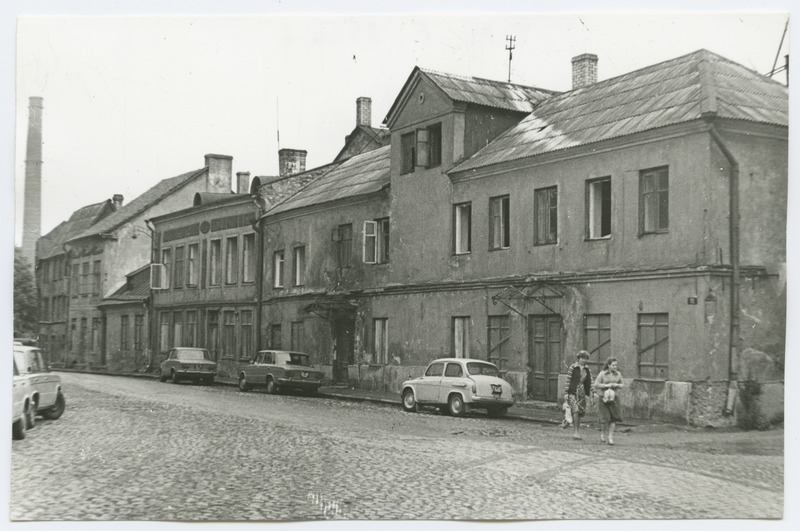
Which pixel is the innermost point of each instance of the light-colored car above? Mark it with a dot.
(188, 363)
(280, 369)
(46, 394)
(20, 405)
(457, 386)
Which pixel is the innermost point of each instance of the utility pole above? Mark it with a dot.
(510, 46)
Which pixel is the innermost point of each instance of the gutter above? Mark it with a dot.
(735, 339)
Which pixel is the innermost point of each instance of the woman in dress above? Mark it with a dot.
(579, 384)
(609, 379)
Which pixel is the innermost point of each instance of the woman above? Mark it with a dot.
(579, 384)
(607, 386)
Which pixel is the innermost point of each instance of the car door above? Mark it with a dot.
(428, 384)
(453, 379)
(38, 378)
(49, 382)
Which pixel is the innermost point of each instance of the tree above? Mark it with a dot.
(26, 303)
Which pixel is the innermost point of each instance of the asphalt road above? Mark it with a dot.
(137, 449)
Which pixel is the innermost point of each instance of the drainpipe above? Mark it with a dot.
(151, 303)
(258, 226)
(735, 340)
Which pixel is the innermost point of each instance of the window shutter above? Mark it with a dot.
(369, 242)
(423, 158)
(335, 235)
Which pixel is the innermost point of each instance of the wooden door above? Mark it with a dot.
(343, 330)
(544, 356)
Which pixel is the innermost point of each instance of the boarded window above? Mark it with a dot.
(653, 345)
(498, 339)
(597, 339)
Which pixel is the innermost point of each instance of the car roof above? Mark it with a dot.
(464, 360)
(189, 348)
(283, 352)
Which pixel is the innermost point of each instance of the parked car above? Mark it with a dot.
(458, 385)
(21, 402)
(188, 363)
(278, 370)
(46, 394)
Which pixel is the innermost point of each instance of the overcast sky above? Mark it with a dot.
(132, 100)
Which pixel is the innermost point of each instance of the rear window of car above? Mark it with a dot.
(485, 369)
(298, 359)
(435, 369)
(193, 355)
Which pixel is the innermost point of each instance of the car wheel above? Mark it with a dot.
(409, 401)
(162, 377)
(271, 387)
(58, 409)
(30, 416)
(497, 412)
(18, 430)
(174, 377)
(456, 405)
(243, 386)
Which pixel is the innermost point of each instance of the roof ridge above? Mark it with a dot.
(483, 79)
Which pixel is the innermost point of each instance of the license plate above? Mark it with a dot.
(303, 375)
(497, 389)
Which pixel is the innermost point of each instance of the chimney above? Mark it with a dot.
(584, 70)
(220, 168)
(364, 111)
(242, 182)
(32, 213)
(117, 199)
(291, 161)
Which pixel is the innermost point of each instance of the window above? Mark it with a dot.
(653, 345)
(95, 344)
(45, 309)
(598, 208)
(76, 285)
(231, 259)
(453, 370)
(212, 343)
(299, 262)
(190, 335)
(194, 265)
(228, 334)
(429, 146)
(246, 335)
(85, 278)
(179, 265)
(297, 334)
(46, 272)
(546, 216)
(498, 339)
(96, 277)
(343, 236)
(82, 338)
(654, 200)
(380, 333)
(215, 263)
(166, 258)
(376, 241)
(462, 228)
(138, 332)
(248, 257)
(277, 269)
(461, 339)
(275, 336)
(163, 337)
(499, 226)
(124, 327)
(177, 329)
(435, 369)
(407, 154)
(597, 339)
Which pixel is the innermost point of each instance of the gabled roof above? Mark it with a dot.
(135, 289)
(474, 90)
(140, 204)
(672, 92)
(378, 136)
(51, 244)
(359, 175)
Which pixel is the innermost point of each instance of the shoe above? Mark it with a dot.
(577, 437)
(611, 441)
(603, 437)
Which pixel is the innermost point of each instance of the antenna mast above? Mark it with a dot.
(510, 46)
(278, 119)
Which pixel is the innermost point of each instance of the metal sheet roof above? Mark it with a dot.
(672, 92)
(359, 175)
(52, 243)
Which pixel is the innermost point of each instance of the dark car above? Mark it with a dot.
(187, 363)
(280, 369)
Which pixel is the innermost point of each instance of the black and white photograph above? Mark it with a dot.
(354, 265)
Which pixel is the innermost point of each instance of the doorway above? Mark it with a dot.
(343, 331)
(544, 356)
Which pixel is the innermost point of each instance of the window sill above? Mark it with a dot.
(544, 244)
(491, 250)
(653, 233)
(599, 239)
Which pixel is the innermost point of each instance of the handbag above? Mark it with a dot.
(567, 413)
(609, 396)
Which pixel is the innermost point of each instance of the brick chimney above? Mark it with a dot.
(220, 169)
(364, 111)
(242, 182)
(117, 199)
(291, 161)
(584, 70)
(32, 213)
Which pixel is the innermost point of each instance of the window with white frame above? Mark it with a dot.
(277, 269)
(231, 260)
(462, 228)
(166, 261)
(375, 248)
(545, 215)
(248, 257)
(193, 265)
(215, 263)
(499, 223)
(299, 266)
(380, 334)
(598, 208)
(179, 265)
(461, 337)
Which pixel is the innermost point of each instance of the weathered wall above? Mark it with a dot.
(128, 360)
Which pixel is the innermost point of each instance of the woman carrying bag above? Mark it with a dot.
(579, 385)
(607, 386)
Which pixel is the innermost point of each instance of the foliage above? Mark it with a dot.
(26, 304)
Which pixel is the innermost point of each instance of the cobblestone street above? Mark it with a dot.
(136, 449)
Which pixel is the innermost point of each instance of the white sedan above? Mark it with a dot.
(458, 385)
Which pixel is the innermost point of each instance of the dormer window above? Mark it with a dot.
(421, 148)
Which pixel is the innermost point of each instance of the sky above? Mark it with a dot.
(138, 91)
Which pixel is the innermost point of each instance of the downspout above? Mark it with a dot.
(151, 332)
(735, 339)
(258, 226)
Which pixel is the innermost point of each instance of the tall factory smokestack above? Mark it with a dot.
(32, 213)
